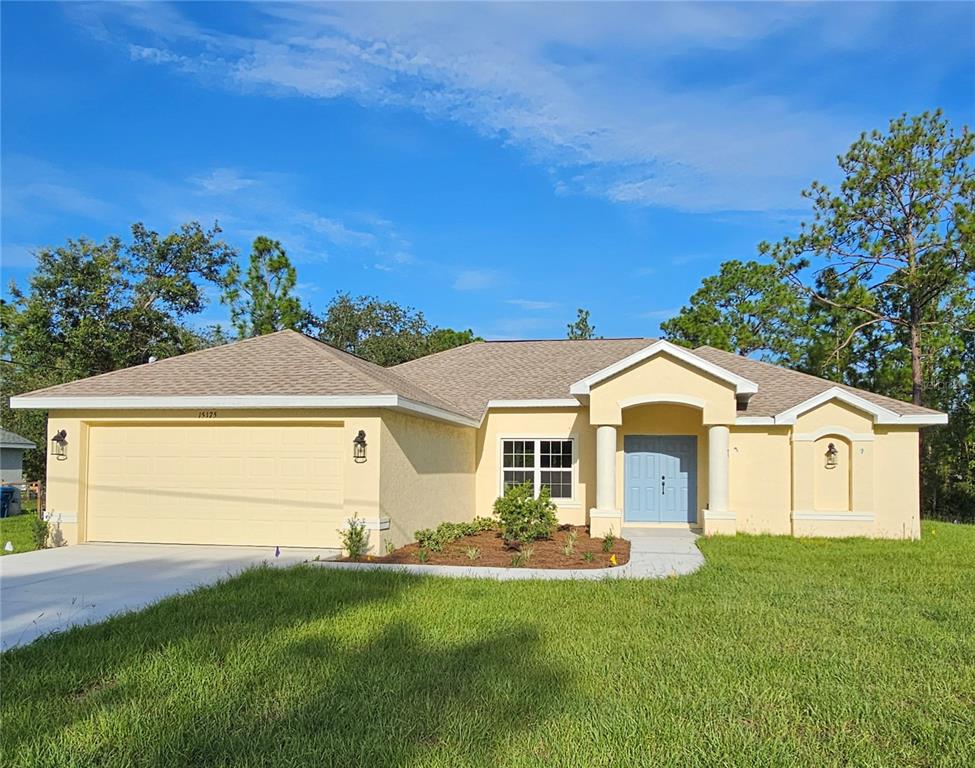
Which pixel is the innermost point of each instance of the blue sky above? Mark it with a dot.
(496, 166)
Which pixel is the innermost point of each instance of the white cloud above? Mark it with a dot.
(660, 314)
(532, 305)
(336, 231)
(582, 89)
(223, 180)
(245, 203)
(475, 279)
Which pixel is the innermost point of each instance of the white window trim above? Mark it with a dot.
(572, 501)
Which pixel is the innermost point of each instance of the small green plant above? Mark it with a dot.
(570, 543)
(389, 546)
(355, 538)
(435, 539)
(524, 518)
(608, 541)
(472, 553)
(517, 560)
(588, 556)
(526, 553)
(422, 555)
(39, 531)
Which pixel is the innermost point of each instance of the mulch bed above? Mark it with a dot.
(493, 552)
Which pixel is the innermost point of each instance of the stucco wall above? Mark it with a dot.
(66, 501)
(537, 423)
(897, 503)
(760, 479)
(663, 377)
(426, 475)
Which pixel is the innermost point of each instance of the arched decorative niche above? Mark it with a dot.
(832, 474)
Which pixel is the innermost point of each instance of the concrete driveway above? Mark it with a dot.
(53, 589)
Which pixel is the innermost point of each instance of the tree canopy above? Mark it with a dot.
(383, 332)
(746, 308)
(581, 328)
(264, 301)
(90, 308)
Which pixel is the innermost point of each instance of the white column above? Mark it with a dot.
(718, 468)
(605, 468)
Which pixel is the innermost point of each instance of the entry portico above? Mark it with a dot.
(662, 390)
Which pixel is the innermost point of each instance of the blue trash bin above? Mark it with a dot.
(6, 497)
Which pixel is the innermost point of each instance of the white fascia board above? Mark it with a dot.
(433, 412)
(880, 414)
(137, 402)
(742, 385)
(924, 419)
(754, 421)
(555, 402)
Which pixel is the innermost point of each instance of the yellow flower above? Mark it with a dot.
(612, 559)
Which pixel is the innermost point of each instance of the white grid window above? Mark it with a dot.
(542, 462)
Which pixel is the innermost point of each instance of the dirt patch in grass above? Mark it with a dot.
(493, 552)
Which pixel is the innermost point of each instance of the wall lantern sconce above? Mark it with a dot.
(359, 447)
(59, 444)
(831, 454)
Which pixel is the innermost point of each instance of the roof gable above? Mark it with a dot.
(743, 387)
(880, 414)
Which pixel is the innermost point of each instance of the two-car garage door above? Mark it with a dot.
(241, 484)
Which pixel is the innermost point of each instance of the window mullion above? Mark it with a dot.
(538, 467)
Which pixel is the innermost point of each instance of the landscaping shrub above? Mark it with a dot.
(40, 530)
(524, 518)
(355, 538)
(435, 539)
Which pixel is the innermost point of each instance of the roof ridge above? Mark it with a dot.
(344, 358)
(549, 341)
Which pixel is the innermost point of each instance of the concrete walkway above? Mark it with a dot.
(655, 553)
(53, 589)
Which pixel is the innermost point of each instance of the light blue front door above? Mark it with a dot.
(660, 476)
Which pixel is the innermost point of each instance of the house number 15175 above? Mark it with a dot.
(206, 415)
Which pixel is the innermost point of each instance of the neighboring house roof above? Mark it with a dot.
(460, 384)
(10, 439)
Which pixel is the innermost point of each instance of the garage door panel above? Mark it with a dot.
(226, 484)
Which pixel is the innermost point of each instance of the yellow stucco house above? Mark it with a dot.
(279, 440)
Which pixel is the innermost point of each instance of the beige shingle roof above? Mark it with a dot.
(461, 380)
(283, 363)
(781, 388)
(471, 375)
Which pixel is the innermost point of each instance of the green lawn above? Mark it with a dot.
(778, 652)
(19, 532)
